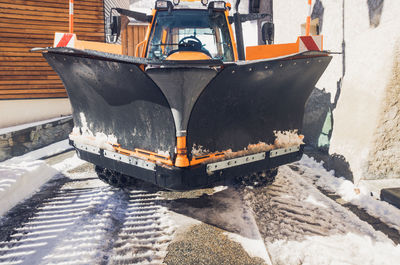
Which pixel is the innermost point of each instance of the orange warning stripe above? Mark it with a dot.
(308, 22)
(144, 154)
(71, 16)
(65, 40)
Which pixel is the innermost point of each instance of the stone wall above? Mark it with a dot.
(19, 142)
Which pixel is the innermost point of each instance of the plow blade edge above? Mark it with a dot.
(218, 106)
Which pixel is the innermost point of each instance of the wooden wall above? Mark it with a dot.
(131, 36)
(25, 24)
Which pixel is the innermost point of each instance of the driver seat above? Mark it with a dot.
(188, 56)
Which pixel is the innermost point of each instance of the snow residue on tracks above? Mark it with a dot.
(86, 222)
(359, 196)
(301, 225)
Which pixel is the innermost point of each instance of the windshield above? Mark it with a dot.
(190, 30)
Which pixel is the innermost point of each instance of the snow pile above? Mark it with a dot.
(359, 196)
(283, 139)
(386, 150)
(21, 176)
(253, 247)
(288, 138)
(20, 180)
(84, 135)
(198, 150)
(68, 164)
(336, 249)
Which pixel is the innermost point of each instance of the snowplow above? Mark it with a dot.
(195, 107)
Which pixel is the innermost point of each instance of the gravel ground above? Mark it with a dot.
(206, 244)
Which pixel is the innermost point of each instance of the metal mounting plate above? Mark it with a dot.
(235, 162)
(284, 151)
(130, 160)
(88, 148)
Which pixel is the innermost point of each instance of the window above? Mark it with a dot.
(190, 30)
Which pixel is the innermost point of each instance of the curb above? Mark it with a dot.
(30, 138)
(392, 196)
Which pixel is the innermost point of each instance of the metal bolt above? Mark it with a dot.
(266, 67)
(281, 65)
(233, 71)
(250, 69)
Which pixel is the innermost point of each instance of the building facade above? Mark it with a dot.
(29, 89)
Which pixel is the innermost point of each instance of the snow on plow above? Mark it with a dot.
(187, 113)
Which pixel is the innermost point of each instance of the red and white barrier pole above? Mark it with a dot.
(308, 22)
(71, 16)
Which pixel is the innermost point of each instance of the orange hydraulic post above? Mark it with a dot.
(181, 156)
(71, 16)
(308, 22)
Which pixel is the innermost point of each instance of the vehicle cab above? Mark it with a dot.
(190, 31)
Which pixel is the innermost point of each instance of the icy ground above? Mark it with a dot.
(301, 225)
(76, 219)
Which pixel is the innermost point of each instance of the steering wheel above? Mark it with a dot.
(194, 43)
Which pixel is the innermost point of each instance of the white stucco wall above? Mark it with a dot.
(368, 64)
(15, 112)
(289, 15)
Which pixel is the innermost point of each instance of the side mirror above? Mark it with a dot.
(268, 32)
(114, 29)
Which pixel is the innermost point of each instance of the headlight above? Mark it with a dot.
(204, 2)
(163, 5)
(217, 5)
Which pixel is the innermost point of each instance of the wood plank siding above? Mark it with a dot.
(131, 36)
(25, 24)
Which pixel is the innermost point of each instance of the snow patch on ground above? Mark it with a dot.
(18, 181)
(359, 196)
(21, 176)
(69, 163)
(220, 188)
(254, 247)
(311, 199)
(354, 249)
